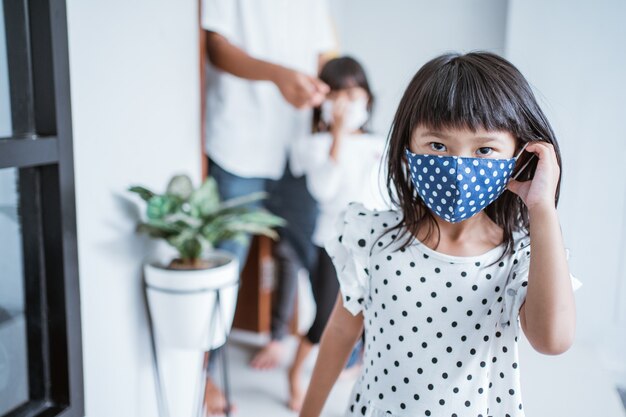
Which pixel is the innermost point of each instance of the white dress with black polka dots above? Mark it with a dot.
(441, 331)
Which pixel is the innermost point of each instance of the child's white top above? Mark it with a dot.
(441, 331)
(355, 176)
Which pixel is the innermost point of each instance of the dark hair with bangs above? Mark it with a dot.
(338, 74)
(470, 91)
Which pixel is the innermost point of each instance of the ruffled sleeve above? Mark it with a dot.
(349, 248)
(324, 180)
(517, 286)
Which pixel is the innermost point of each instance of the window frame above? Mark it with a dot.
(42, 151)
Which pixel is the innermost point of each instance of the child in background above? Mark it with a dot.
(444, 282)
(342, 162)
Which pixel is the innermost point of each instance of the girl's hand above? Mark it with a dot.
(340, 104)
(540, 192)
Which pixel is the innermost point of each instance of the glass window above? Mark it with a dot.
(5, 96)
(13, 342)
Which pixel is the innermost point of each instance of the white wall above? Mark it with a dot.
(393, 39)
(574, 55)
(135, 102)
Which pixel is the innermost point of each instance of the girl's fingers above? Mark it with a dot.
(538, 148)
(546, 154)
(543, 150)
(542, 186)
(340, 106)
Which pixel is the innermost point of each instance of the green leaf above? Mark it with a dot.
(183, 243)
(183, 219)
(143, 192)
(193, 221)
(206, 245)
(257, 221)
(180, 186)
(156, 231)
(160, 206)
(205, 199)
(244, 200)
(262, 217)
(192, 249)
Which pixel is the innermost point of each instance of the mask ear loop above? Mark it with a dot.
(525, 165)
(521, 150)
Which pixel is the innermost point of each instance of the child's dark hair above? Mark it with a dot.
(340, 73)
(470, 91)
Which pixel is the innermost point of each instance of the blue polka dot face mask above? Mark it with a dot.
(456, 188)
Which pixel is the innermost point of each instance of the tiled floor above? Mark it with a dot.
(553, 386)
(265, 393)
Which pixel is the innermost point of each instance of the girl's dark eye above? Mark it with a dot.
(484, 151)
(439, 147)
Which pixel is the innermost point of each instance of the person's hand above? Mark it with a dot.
(299, 89)
(540, 192)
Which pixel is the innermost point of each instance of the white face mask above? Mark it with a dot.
(355, 117)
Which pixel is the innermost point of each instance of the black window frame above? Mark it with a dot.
(41, 149)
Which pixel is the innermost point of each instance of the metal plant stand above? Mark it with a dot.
(162, 404)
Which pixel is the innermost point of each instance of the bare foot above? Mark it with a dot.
(214, 400)
(296, 395)
(269, 356)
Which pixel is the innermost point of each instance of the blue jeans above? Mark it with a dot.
(231, 186)
(288, 198)
(291, 200)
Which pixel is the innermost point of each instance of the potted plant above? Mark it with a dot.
(192, 298)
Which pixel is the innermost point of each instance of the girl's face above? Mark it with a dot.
(463, 142)
(346, 109)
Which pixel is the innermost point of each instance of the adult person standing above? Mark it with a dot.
(261, 84)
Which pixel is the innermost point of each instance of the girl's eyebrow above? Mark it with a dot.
(442, 135)
(484, 139)
(439, 135)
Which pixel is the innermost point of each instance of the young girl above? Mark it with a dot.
(342, 163)
(443, 283)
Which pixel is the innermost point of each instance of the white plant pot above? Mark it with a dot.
(183, 306)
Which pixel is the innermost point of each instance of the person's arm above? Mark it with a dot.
(299, 89)
(338, 340)
(326, 41)
(548, 315)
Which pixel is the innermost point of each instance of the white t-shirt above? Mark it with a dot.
(249, 125)
(357, 175)
(441, 331)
